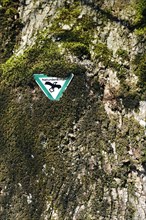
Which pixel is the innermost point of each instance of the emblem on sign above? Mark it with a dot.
(53, 87)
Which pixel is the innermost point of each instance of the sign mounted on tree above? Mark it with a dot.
(53, 87)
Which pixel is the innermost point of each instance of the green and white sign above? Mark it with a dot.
(53, 87)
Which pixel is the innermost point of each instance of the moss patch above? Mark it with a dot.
(9, 29)
(123, 54)
(32, 127)
(78, 49)
(102, 53)
(140, 70)
(74, 29)
(44, 56)
(140, 7)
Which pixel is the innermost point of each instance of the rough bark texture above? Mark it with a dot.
(83, 157)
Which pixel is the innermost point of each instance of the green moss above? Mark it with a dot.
(23, 119)
(70, 13)
(140, 61)
(78, 49)
(102, 53)
(129, 133)
(140, 70)
(44, 56)
(66, 16)
(130, 95)
(130, 98)
(27, 112)
(9, 29)
(81, 27)
(140, 7)
(140, 31)
(6, 2)
(139, 19)
(123, 54)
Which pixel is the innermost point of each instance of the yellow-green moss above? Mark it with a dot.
(140, 7)
(44, 56)
(140, 31)
(79, 28)
(140, 70)
(102, 53)
(78, 49)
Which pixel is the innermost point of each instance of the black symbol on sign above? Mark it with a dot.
(53, 86)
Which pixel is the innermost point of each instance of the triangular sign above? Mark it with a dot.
(53, 87)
